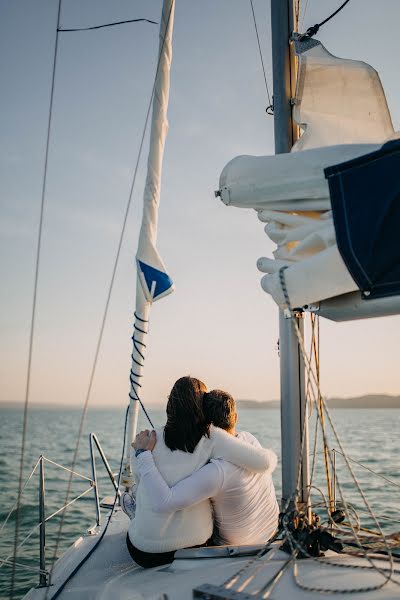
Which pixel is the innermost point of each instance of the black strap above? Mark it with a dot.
(315, 28)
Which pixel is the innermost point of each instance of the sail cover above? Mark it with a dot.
(365, 197)
(341, 108)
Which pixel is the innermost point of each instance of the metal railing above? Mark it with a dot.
(93, 445)
(41, 525)
(43, 576)
(93, 441)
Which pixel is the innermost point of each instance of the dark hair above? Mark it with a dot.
(186, 424)
(219, 409)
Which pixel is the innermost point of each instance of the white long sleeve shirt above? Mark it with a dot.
(152, 531)
(244, 502)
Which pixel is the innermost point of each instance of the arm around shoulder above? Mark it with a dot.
(240, 453)
(201, 485)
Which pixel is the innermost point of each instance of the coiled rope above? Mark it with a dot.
(316, 391)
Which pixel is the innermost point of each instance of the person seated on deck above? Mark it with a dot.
(184, 445)
(244, 502)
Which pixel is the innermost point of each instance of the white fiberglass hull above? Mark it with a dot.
(110, 573)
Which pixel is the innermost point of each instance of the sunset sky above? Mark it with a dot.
(218, 325)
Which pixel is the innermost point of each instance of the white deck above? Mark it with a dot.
(110, 573)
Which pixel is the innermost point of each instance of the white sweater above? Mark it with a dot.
(244, 502)
(151, 531)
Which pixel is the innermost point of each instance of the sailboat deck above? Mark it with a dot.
(110, 573)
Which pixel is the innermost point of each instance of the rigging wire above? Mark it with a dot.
(26, 567)
(107, 25)
(346, 505)
(270, 108)
(316, 347)
(315, 28)
(355, 480)
(371, 470)
(297, 548)
(107, 304)
(34, 302)
(304, 15)
(242, 577)
(36, 527)
(66, 469)
(23, 488)
(89, 554)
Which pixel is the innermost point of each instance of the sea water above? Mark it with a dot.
(369, 436)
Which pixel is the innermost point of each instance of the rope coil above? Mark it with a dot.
(289, 537)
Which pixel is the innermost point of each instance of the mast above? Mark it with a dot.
(294, 418)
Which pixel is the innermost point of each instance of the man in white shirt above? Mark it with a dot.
(244, 503)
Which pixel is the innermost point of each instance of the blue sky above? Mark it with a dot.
(218, 325)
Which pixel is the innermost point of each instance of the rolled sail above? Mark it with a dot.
(153, 281)
(341, 108)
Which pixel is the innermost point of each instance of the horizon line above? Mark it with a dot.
(48, 405)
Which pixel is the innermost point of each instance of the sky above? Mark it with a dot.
(218, 325)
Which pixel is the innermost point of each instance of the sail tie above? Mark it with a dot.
(133, 377)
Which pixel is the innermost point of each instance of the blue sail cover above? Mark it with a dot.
(365, 198)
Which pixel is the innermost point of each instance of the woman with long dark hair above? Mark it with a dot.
(184, 444)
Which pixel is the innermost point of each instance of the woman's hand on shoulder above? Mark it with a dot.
(145, 440)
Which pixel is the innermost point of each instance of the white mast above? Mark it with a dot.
(153, 281)
(294, 419)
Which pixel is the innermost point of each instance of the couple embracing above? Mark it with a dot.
(199, 481)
